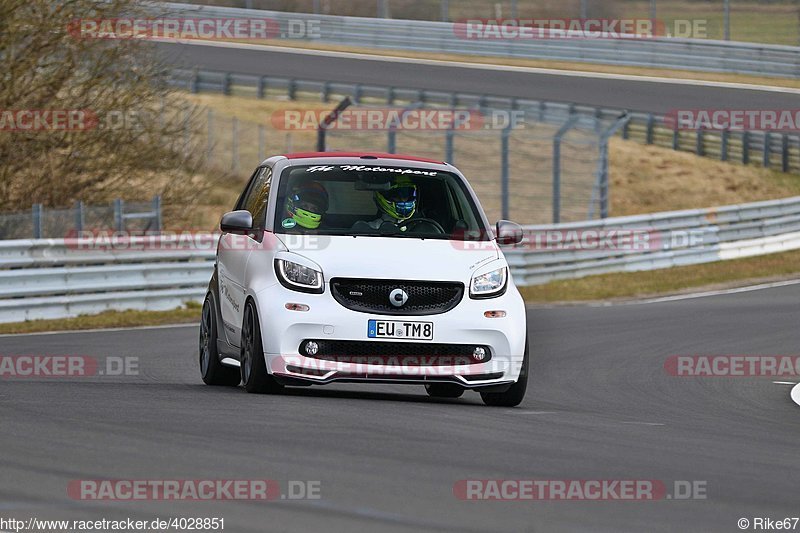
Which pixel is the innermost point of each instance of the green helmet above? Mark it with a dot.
(400, 201)
(307, 203)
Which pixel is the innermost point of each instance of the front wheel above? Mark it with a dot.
(253, 366)
(212, 370)
(516, 393)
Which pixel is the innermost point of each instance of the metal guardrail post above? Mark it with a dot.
(79, 216)
(291, 89)
(745, 147)
(325, 96)
(504, 173)
(675, 135)
(723, 148)
(261, 90)
(650, 123)
(158, 222)
(445, 5)
(227, 82)
(328, 120)
(557, 166)
(38, 213)
(119, 220)
(357, 90)
(235, 144)
(699, 148)
(767, 150)
(390, 96)
(195, 82)
(785, 153)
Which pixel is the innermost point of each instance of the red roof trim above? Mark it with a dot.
(309, 155)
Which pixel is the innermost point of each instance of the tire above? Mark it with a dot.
(254, 373)
(444, 390)
(516, 393)
(212, 370)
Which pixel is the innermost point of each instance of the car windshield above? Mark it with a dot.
(376, 200)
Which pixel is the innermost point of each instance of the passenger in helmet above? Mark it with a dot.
(396, 204)
(306, 204)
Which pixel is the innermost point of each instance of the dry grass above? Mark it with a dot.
(108, 319)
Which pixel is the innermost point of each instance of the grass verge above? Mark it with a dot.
(708, 276)
(109, 319)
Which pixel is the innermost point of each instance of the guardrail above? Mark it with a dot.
(660, 240)
(779, 151)
(56, 278)
(443, 37)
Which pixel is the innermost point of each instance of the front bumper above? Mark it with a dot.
(283, 332)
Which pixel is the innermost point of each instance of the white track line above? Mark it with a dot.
(796, 394)
(484, 66)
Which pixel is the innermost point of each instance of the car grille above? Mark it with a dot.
(372, 296)
(403, 353)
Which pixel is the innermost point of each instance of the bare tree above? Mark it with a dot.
(136, 142)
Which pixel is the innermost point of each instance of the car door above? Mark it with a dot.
(234, 251)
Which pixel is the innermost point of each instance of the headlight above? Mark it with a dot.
(298, 277)
(490, 284)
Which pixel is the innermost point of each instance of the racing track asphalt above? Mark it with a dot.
(633, 95)
(600, 406)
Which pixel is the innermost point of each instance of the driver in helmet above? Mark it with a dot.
(306, 204)
(397, 204)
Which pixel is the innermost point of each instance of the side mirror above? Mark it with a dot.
(236, 222)
(508, 232)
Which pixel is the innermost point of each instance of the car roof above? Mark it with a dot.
(360, 155)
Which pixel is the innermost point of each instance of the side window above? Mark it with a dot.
(257, 196)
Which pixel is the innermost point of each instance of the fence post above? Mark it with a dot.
(38, 213)
(327, 121)
(195, 82)
(449, 137)
(234, 144)
(504, 173)
(79, 216)
(699, 149)
(675, 135)
(226, 84)
(326, 92)
(445, 10)
(357, 94)
(261, 141)
(119, 221)
(557, 166)
(767, 149)
(745, 147)
(390, 96)
(723, 148)
(291, 89)
(785, 153)
(157, 212)
(650, 123)
(210, 135)
(262, 86)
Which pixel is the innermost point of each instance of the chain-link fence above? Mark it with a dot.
(41, 222)
(765, 21)
(524, 164)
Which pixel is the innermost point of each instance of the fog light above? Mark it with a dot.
(297, 307)
(479, 354)
(311, 348)
(494, 314)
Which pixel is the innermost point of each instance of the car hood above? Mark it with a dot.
(393, 257)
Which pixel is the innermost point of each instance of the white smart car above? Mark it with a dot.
(369, 268)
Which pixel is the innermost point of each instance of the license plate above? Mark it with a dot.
(397, 329)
